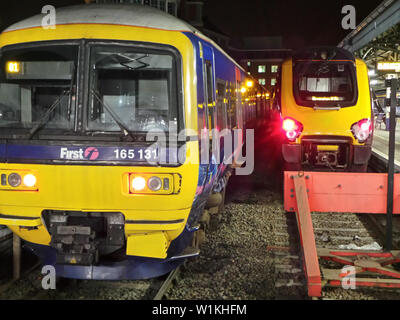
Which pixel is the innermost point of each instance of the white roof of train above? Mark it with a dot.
(118, 14)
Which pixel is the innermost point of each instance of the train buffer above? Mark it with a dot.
(306, 192)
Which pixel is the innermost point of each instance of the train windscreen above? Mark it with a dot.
(37, 85)
(133, 88)
(324, 83)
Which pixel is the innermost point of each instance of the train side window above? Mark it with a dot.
(209, 92)
(221, 105)
(232, 106)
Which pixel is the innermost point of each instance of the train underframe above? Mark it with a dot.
(92, 245)
(326, 153)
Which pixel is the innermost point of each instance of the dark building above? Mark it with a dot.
(265, 71)
(261, 57)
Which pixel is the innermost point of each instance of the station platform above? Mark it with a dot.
(380, 145)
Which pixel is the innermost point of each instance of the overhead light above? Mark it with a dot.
(389, 66)
(249, 83)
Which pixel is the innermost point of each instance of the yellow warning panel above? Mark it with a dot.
(151, 245)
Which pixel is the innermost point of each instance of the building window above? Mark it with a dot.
(172, 8)
(154, 4)
(261, 69)
(162, 5)
(261, 82)
(273, 81)
(274, 68)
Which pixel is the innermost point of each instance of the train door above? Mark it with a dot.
(209, 107)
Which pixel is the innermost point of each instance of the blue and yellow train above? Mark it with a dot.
(81, 182)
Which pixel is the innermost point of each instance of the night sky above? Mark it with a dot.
(300, 23)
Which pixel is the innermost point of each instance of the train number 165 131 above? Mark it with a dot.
(137, 154)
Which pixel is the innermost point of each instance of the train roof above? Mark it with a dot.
(117, 14)
(333, 53)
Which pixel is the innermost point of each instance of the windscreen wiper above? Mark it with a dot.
(72, 91)
(46, 117)
(125, 130)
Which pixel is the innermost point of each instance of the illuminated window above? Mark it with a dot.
(273, 81)
(261, 81)
(261, 69)
(274, 68)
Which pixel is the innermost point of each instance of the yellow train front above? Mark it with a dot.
(100, 122)
(326, 111)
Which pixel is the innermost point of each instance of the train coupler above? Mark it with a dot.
(81, 238)
(75, 245)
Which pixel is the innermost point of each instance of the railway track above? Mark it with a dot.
(153, 289)
(339, 231)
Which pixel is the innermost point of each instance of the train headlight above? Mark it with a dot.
(14, 180)
(138, 183)
(151, 183)
(292, 128)
(362, 130)
(29, 180)
(154, 183)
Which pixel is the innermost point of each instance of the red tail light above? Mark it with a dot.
(362, 130)
(292, 128)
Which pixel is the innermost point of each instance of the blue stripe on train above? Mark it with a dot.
(85, 153)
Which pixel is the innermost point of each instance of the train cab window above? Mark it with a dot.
(37, 87)
(325, 83)
(133, 88)
(231, 112)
